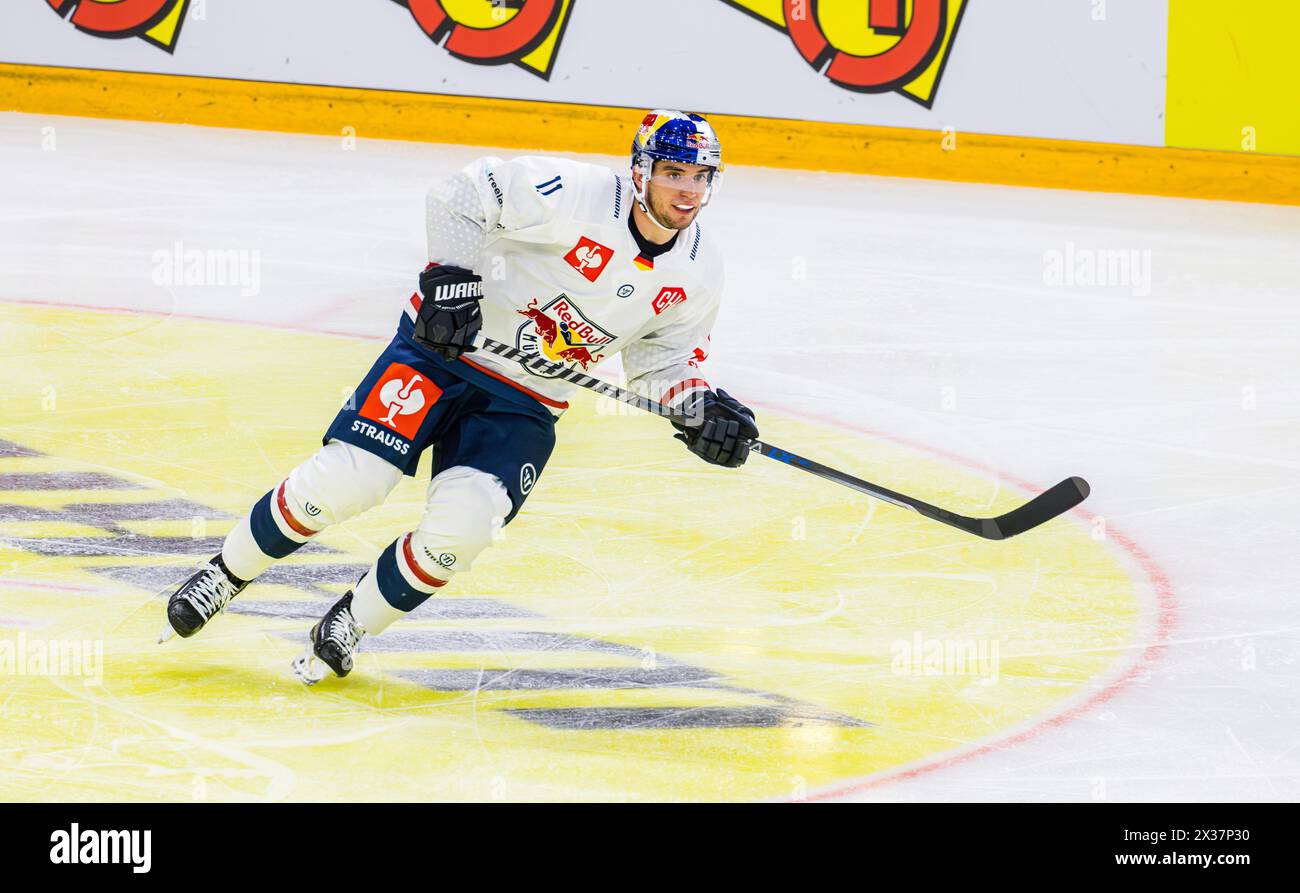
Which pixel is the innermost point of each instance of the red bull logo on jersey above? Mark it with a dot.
(155, 21)
(400, 400)
(559, 333)
(869, 46)
(590, 258)
(527, 33)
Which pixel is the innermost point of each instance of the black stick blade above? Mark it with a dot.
(1039, 510)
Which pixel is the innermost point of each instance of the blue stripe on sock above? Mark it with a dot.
(393, 586)
(267, 533)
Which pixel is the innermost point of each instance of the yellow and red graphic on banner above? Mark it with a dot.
(157, 21)
(869, 46)
(527, 33)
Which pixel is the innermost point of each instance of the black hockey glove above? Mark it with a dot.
(449, 316)
(722, 429)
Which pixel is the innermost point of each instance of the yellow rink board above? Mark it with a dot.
(1232, 81)
(649, 629)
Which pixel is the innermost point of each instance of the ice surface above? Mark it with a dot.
(921, 309)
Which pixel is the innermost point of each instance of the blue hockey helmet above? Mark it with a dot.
(666, 135)
(677, 136)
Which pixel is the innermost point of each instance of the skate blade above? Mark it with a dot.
(308, 668)
(168, 632)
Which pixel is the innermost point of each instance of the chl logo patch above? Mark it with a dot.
(527, 477)
(589, 258)
(669, 297)
(401, 399)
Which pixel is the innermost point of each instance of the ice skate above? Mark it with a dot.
(199, 599)
(332, 644)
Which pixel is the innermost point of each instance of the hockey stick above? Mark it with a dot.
(1042, 508)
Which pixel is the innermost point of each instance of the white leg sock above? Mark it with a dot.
(370, 608)
(241, 554)
(465, 507)
(337, 483)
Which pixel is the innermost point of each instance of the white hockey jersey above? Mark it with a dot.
(564, 277)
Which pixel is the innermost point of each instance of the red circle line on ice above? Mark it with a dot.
(1166, 619)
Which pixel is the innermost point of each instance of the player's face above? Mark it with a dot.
(677, 191)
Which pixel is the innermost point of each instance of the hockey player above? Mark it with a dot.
(565, 260)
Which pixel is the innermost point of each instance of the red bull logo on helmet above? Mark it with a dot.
(678, 136)
(559, 332)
